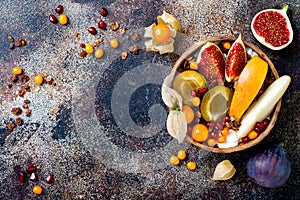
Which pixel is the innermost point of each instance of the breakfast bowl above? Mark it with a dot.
(220, 107)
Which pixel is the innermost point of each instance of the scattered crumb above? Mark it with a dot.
(134, 49)
(124, 55)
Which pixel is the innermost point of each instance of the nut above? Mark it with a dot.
(114, 26)
(134, 49)
(11, 126)
(136, 37)
(10, 38)
(122, 30)
(124, 55)
(82, 54)
(16, 111)
(19, 121)
(27, 112)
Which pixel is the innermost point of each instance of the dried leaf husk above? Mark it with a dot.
(170, 96)
(176, 125)
(224, 171)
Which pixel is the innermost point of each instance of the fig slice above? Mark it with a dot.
(236, 60)
(272, 28)
(211, 64)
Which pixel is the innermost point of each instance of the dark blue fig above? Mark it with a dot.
(270, 167)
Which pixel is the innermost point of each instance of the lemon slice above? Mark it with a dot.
(215, 103)
(167, 18)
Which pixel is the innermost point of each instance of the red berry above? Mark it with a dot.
(214, 135)
(31, 169)
(259, 127)
(103, 12)
(53, 19)
(220, 125)
(245, 139)
(59, 9)
(194, 93)
(266, 122)
(49, 178)
(202, 91)
(22, 177)
(227, 118)
(92, 30)
(102, 25)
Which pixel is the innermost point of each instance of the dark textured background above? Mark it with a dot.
(82, 144)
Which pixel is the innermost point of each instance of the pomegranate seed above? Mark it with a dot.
(33, 177)
(103, 12)
(202, 91)
(22, 177)
(31, 169)
(53, 19)
(266, 122)
(227, 118)
(259, 127)
(220, 125)
(208, 124)
(193, 93)
(49, 178)
(245, 139)
(92, 30)
(102, 25)
(214, 135)
(59, 9)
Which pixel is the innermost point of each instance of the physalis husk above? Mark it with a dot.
(162, 34)
(224, 171)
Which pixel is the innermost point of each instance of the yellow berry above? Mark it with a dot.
(114, 43)
(161, 33)
(196, 101)
(174, 160)
(38, 79)
(194, 65)
(99, 53)
(17, 70)
(211, 142)
(63, 19)
(181, 154)
(226, 45)
(37, 189)
(89, 48)
(191, 165)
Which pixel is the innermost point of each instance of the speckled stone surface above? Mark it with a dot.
(100, 129)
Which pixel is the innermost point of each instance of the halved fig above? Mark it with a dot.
(272, 28)
(236, 60)
(211, 64)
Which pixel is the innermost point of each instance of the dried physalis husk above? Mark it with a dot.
(170, 96)
(176, 125)
(224, 171)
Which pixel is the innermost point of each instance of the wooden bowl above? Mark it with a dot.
(195, 49)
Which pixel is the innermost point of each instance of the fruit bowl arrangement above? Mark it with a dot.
(224, 95)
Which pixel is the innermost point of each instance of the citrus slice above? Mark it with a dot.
(215, 103)
(167, 18)
(186, 82)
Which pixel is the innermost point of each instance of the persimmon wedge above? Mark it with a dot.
(248, 86)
